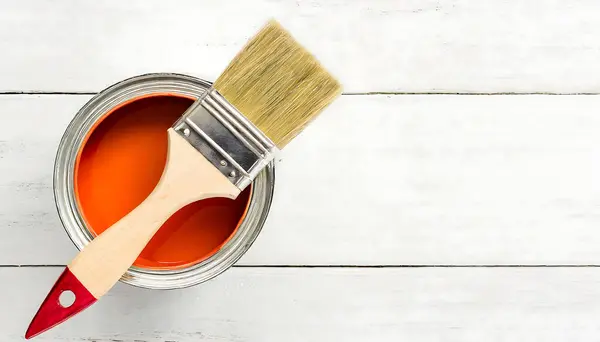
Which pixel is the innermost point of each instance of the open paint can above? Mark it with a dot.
(111, 157)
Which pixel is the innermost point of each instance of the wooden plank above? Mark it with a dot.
(376, 180)
(377, 45)
(248, 304)
(30, 130)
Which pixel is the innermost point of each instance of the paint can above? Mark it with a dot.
(71, 199)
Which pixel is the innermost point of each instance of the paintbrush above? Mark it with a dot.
(265, 97)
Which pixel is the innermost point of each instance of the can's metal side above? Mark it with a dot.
(72, 218)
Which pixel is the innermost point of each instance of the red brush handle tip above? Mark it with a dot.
(51, 312)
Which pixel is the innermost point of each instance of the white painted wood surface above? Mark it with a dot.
(452, 180)
(375, 45)
(467, 180)
(273, 305)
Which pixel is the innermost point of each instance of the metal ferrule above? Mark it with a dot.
(233, 144)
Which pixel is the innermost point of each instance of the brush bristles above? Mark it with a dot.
(277, 84)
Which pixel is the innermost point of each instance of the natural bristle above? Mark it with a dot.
(277, 84)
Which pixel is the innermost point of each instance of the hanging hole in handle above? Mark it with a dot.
(66, 298)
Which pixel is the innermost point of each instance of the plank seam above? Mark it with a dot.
(8, 93)
(467, 93)
(368, 266)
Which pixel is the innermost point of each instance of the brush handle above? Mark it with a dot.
(187, 177)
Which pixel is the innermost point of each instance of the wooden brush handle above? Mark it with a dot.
(104, 260)
(187, 177)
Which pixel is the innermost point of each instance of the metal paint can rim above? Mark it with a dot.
(72, 219)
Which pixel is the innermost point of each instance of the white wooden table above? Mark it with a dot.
(458, 198)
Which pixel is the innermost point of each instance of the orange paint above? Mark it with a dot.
(121, 162)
